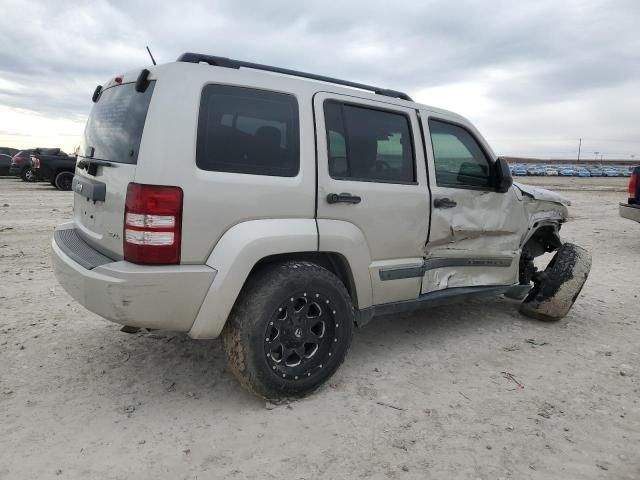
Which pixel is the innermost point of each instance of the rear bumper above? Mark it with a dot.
(632, 212)
(163, 297)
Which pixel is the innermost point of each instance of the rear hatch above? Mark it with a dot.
(107, 160)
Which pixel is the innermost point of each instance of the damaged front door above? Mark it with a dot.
(475, 231)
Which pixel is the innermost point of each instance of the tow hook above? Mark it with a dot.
(130, 329)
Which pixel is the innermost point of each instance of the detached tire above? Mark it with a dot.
(563, 279)
(289, 330)
(64, 181)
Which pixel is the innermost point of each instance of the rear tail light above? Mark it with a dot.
(152, 224)
(35, 162)
(18, 159)
(633, 186)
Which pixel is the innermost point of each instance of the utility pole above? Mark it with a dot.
(596, 159)
(579, 147)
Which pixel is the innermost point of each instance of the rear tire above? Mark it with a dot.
(27, 175)
(552, 297)
(64, 181)
(289, 330)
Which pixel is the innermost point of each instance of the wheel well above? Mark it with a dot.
(334, 262)
(545, 239)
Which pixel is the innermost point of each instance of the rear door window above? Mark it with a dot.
(115, 125)
(368, 145)
(245, 130)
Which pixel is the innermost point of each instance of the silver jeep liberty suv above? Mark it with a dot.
(278, 209)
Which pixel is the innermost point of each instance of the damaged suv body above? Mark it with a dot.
(279, 209)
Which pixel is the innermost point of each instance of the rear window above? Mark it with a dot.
(114, 128)
(245, 130)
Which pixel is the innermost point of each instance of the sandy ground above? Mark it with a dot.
(419, 396)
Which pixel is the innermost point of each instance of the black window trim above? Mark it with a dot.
(299, 122)
(492, 163)
(377, 109)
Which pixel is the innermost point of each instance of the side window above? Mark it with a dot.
(244, 130)
(368, 145)
(459, 160)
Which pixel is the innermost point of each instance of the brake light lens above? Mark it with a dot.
(152, 224)
(633, 185)
(35, 162)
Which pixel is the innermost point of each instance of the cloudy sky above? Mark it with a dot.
(532, 76)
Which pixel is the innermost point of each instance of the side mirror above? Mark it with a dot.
(503, 179)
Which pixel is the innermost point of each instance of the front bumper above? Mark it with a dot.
(166, 297)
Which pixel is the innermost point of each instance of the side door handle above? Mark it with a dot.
(444, 203)
(343, 198)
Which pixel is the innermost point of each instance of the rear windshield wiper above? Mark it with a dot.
(89, 162)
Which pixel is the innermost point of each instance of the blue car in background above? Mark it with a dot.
(596, 172)
(520, 171)
(567, 172)
(610, 172)
(584, 173)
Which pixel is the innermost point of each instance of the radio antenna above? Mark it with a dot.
(152, 59)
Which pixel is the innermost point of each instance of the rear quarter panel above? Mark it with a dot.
(216, 201)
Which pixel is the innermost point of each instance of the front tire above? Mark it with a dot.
(554, 294)
(289, 330)
(64, 181)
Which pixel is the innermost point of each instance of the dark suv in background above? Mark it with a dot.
(21, 165)
(5, 163)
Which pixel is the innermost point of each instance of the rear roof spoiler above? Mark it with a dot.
(230, 63)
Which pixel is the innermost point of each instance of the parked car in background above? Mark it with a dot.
(5, 163)
(535, 171)
(8, 151)
(610, 172)
(631, 209)
(520, 171)
(627, 172)
(567, 172)
(551, 172)
(21, 165)
(596, 172)
(54, 166)
(583, 172)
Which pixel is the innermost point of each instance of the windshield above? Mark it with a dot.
(114, 128)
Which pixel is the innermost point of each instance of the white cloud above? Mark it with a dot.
(28, 129)
(469, 99)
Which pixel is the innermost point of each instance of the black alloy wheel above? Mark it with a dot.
(301, 334)
(289, 330)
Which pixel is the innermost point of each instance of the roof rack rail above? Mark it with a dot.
(230, 63)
